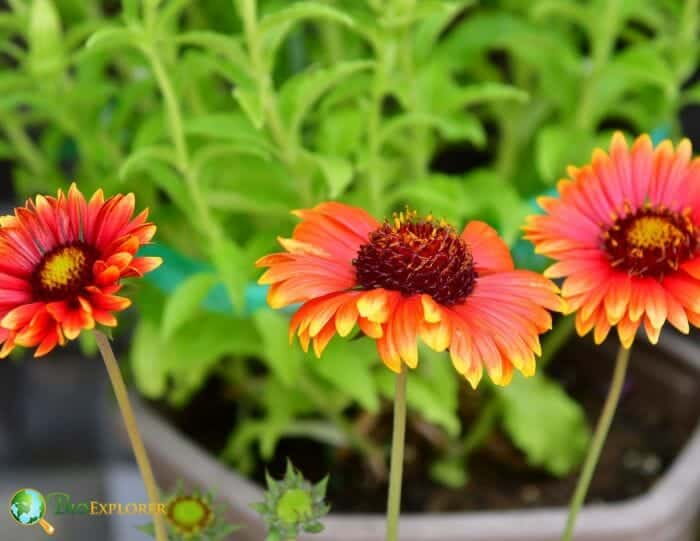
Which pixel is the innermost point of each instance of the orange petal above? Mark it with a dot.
(602, 328)
(404, 329)
(388, 352)
(490, 253)
(371, 329)
(618, 296)
(431, 310)
(374, 305)
(323, 337)
(17, 318)
(436, 335)
(656, 309)
(652, 332)
(346, 317)
(626, 331)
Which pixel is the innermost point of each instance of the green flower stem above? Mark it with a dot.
(484, 425)
(132, 430)
(556, 338)
(602, 43)
(286, 144)
(385, 51)
(177, 132)
(398, 443)
(601, 433)
(24, 146)
(419, 150)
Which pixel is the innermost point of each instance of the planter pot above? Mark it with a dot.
(666, 513)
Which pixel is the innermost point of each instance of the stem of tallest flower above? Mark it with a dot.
(132, 430)
(397, 447)
(601, 433)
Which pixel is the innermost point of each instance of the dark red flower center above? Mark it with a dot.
(63, 272)
(652, 241)
(413, 256)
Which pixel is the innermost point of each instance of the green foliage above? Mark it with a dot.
(224, 115)
(537, 412)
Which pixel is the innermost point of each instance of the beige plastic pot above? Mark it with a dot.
(666, 513)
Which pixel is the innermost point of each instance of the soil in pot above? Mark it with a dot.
(657, 415)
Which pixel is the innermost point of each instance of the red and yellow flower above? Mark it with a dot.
(410, 278)
(61, 264)
(624, 232)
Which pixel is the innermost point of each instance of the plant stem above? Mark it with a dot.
(602, 44)
(398, 443)
(286, 142)
(25, 147)
(601, 433)
(556, 338)
(132, 430)
(177, 133)
(385, 51)
(483, 426)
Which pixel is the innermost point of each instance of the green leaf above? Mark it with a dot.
(450, 472)
(130, 9)
(233, 127)
(148, 362)
(428, 31)
(233, 268)
(146, 155)
(165, 177)
(249, 100)
(571, 11)
(183, 304)
(250, 185)
(178, 366)
(644, 63)
(545, 423)
(275, 26)
(348, 366)
(283, 359)
(340, 131)
(228, 47)
(558, 146)
(298, 95)
(337, 172)
(45, 39)
(488, 92)
(300, 11)
(111, 38)
(453, 127)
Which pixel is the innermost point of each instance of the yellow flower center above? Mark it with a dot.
(650, 241)
(62, 267)
(63, 272)
(654, 232)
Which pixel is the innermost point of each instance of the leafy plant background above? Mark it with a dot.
(222, 115)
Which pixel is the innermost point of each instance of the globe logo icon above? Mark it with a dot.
(28, 507)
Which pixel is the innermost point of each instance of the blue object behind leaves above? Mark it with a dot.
(177, 267)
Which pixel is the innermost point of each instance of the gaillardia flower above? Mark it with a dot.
(61, 262)
(624, 232)
(409, 278)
